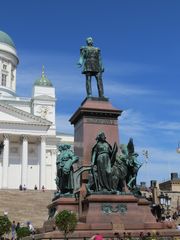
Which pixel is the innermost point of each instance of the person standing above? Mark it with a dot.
(17, 226)
(24, 188)
(13, 230)
(43, 188)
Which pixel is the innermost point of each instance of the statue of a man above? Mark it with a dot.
(90, 60)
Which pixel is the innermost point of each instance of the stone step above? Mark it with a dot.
(23, 206)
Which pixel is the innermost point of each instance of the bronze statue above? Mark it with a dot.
(90, 60)
(65, 161)
(112, 173)
(102, 154)
(133, 165)
(120, 170)
(125, 168)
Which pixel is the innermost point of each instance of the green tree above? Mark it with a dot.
(5, 225)
(23, 232)
(66, 222)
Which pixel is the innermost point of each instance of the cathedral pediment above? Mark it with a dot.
(10, 114)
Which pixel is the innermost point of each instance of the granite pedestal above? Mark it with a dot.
(93, 116)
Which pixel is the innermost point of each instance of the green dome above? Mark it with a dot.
(4, 38)
(43, 81)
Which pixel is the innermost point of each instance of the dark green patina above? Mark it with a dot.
(43, 81)
(108, 208)
(91, 63)
(112, 173)
(64, 162)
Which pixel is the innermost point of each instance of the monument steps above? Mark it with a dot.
(23, 206)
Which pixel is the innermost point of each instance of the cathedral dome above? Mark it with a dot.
(5, 38)
(43, 81)
(8, 64)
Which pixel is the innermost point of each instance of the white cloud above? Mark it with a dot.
(127, 89)
(137, 124)
(160, 164)
(159, 138)
(130, 68)
(62, 70)
(167, 125)
(132, 124)
(68, 84)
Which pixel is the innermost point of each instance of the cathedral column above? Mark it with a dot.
(5, 162)
(24, 160)
(42, 169)
(54, 170)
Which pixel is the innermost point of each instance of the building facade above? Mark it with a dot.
(27, 127)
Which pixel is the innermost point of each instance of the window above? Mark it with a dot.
(4, 66)
(3, 82)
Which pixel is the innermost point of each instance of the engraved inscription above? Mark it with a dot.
(101, 121)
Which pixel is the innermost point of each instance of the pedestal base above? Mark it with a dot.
(63, 203)
(122, 212)
(109, 215)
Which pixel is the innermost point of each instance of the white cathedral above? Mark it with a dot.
(27, 127)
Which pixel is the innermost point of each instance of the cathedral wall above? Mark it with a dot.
(14, 166)
(14, 176)
(48, 91)
(32, 176)
(50, 167)
(49, 177)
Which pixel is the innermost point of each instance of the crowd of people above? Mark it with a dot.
(24, 188)
(15, 227)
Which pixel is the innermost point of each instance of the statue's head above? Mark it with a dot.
(89, 41)
(62, 147)
(124, 149)
(101, 136)
(67, 146)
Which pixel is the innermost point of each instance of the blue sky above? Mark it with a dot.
(140, 44)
